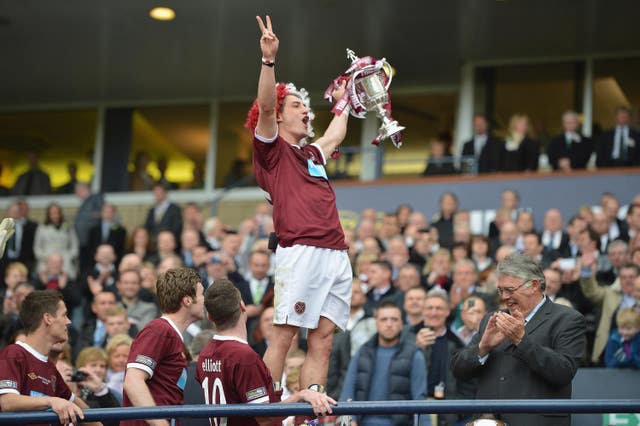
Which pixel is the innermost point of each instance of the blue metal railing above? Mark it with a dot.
(370, 407)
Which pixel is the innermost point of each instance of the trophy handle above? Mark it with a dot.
(386, 66)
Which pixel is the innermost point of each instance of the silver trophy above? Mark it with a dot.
(371, 89)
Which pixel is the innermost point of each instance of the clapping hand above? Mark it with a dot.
(511, 325)
(491, 337)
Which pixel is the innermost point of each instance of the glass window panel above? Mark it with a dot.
(615, 84)
(59, 137)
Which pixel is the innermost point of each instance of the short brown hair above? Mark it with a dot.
(91, 354)
(175, 284)
(35, 305)
(222, 301)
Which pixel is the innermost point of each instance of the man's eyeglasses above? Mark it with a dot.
(510, 290)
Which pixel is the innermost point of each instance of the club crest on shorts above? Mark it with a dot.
(299, 307)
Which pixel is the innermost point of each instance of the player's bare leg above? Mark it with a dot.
(316, 364)
(277, 350)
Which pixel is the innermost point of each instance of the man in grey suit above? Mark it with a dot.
(530, 350)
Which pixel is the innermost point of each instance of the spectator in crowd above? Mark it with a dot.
(380, 287)
(486, 148)
(389, 229)
(260, 285)
(570, 150)
(103, 275)
(192, 218)
(162, 163)
(214, 232)
(360, 328)
(413, 305)
(139, 178)
(440, 161)
(422, 248)
(140, 243)
(480, 252)
(618, 228)
(438, 270)
(610, 299)
(520, 151)
(553, 289)
(473, 310)
(34, 181)
(87, 216)
(531, 351)
(166, 246)
(532, 246)
(157, 364)
(94, 390)
(633, 220)
(264, 331)
(618, 147)
(387, 368)
(44, 317)
(408, 278)
(509, 235)
(575, 226)
(70, 186)
(229, 349)
(117, 322)
(19, 248)
(222, 266)
(10, 323)
(54, 277)
(403, 213)
(108, 230)
(397, 255)
(140, 313)
(14, 274)
(623, 347)
(443, 221)
(118, 350)
(93, 331)
(189, 240)
(164, 215)
(553, 236)
(56, 236)
(617, 256)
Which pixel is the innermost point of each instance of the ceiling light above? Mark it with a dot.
(162, 13)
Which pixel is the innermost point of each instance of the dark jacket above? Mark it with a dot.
(578, 153)
(399, 374)
(490, 158)
(604, 148)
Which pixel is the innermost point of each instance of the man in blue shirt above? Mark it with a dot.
(386, 368)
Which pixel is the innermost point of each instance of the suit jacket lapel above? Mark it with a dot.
(540, 317)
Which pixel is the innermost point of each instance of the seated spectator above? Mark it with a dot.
(189, 240)
(408, 278)
(570, 150)
(167, 246)
(520, 151)
(413, 305)
(397, 254)
(440, 160)
(93, 390)
(118, 351)
(56, 236)
(623, 347)
(532, 246)
(486, 148)
(618, 228)
(117, 322)
(553, 237)
(443, 220)
(459, 251)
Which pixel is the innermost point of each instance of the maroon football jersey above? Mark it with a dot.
(159, 350)
(25, 371)
(230, 372)
(304, 204)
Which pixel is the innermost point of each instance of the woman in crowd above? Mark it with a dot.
(520, 151)
(56, 235)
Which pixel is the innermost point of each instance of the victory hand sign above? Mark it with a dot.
(268, 41)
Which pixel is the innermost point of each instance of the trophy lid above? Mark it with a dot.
(351, 55)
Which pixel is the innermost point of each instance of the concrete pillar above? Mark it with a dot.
(587, 98)
(464, 115)
(371, 156)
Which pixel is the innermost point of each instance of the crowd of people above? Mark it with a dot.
(518, 151)
(434, 280)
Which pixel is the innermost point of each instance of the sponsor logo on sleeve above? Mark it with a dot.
(256, 393)
(145, 360)
(8, 384)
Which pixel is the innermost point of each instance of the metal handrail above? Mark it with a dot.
(353, 407)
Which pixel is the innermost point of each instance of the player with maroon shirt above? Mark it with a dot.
(313, 274)
(157, 366)
(230, 372)
(29, 380)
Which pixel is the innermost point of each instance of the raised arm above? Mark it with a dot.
(337, 130)
(267, 124)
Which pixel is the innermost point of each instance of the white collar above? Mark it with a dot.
(167, 319)
(229, 338)
(32, 351)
